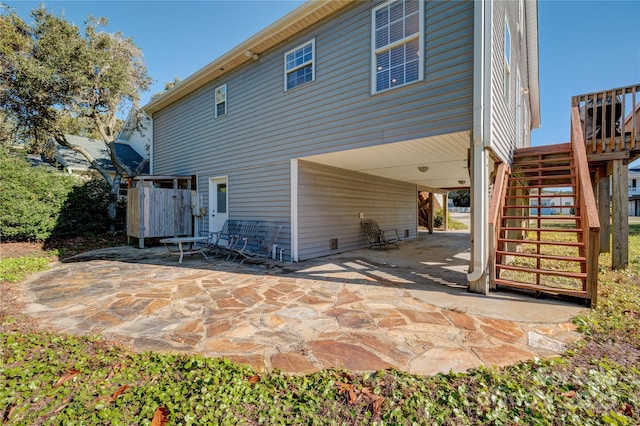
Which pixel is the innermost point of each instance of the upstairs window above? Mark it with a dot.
(397, 39)
(507, 60)
(221, 100)
(521, 16)
(299, 65)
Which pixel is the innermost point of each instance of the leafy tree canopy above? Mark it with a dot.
(461, 198)
(55, 79)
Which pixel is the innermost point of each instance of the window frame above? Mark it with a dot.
(374, 52)
(312, 62)
(521, 16)
(507, 60)
(216, 102)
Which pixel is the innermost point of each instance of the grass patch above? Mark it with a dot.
(456, 224)
(15, 270)
(47, 378)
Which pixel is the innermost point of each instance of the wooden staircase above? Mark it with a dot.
(540, 238)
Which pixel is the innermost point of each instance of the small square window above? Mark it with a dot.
(299, 65)
(221, 100)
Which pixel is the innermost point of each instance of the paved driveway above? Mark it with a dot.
(362, 310)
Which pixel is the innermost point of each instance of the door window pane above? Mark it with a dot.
(221, 192)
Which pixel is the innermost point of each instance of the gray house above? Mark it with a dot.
(346, 109)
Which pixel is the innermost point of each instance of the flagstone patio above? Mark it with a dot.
(362, 310)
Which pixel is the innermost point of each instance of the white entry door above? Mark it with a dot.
(218, 203)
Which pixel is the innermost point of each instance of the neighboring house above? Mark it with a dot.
(136, 133)
(634, 191)
(75, 163)
(346, 109)
(552, 203)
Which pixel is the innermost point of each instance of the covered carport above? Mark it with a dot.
(377, 182)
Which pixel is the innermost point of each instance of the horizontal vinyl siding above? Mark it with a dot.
(337, 111)
(259, 193)
(503, 115)
(265, 126)
(331, 199)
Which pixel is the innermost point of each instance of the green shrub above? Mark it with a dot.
(40, 202)
(31, 198)
(85, 210)
(453, 224)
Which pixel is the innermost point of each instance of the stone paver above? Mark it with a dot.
(364, 310)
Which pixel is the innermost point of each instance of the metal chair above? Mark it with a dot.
(379, 238)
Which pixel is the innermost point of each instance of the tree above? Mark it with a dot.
(7, 129)
(461, 198)
(52, 77)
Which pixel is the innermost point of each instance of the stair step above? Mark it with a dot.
(541, 256)
(536, 196)
(553, 290)
(542, 161)
(546, 158)
(542, 242)
(524, 228)
(549, 217)
(553, 272)
(543, 169)
(543, 150)
(535, 206)
(543, 186)
(517, 178)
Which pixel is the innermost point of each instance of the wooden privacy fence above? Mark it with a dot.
(158, 212)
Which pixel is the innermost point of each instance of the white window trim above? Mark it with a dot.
(521, 16)
(374, 51)
(312, 62)
(216, 103)
(507, 61)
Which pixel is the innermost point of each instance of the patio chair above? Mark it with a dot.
(380, 238)
(257, 248)
(231, 234)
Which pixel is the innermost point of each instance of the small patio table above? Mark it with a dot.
(191, 249)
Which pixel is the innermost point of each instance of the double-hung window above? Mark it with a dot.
(397, 34)
(221, 100)
(299, 66)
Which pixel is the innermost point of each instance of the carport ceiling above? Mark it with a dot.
(435, 162)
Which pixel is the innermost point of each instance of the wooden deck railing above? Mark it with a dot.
(495, 216)
(610, 119)
(587, 203)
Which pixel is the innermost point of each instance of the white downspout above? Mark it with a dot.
(294, 210)
(481, 133)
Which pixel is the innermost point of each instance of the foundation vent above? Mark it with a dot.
(406, 233)
(333, 244)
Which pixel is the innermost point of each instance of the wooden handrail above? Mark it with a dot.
(495, 216)
(587, 203)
